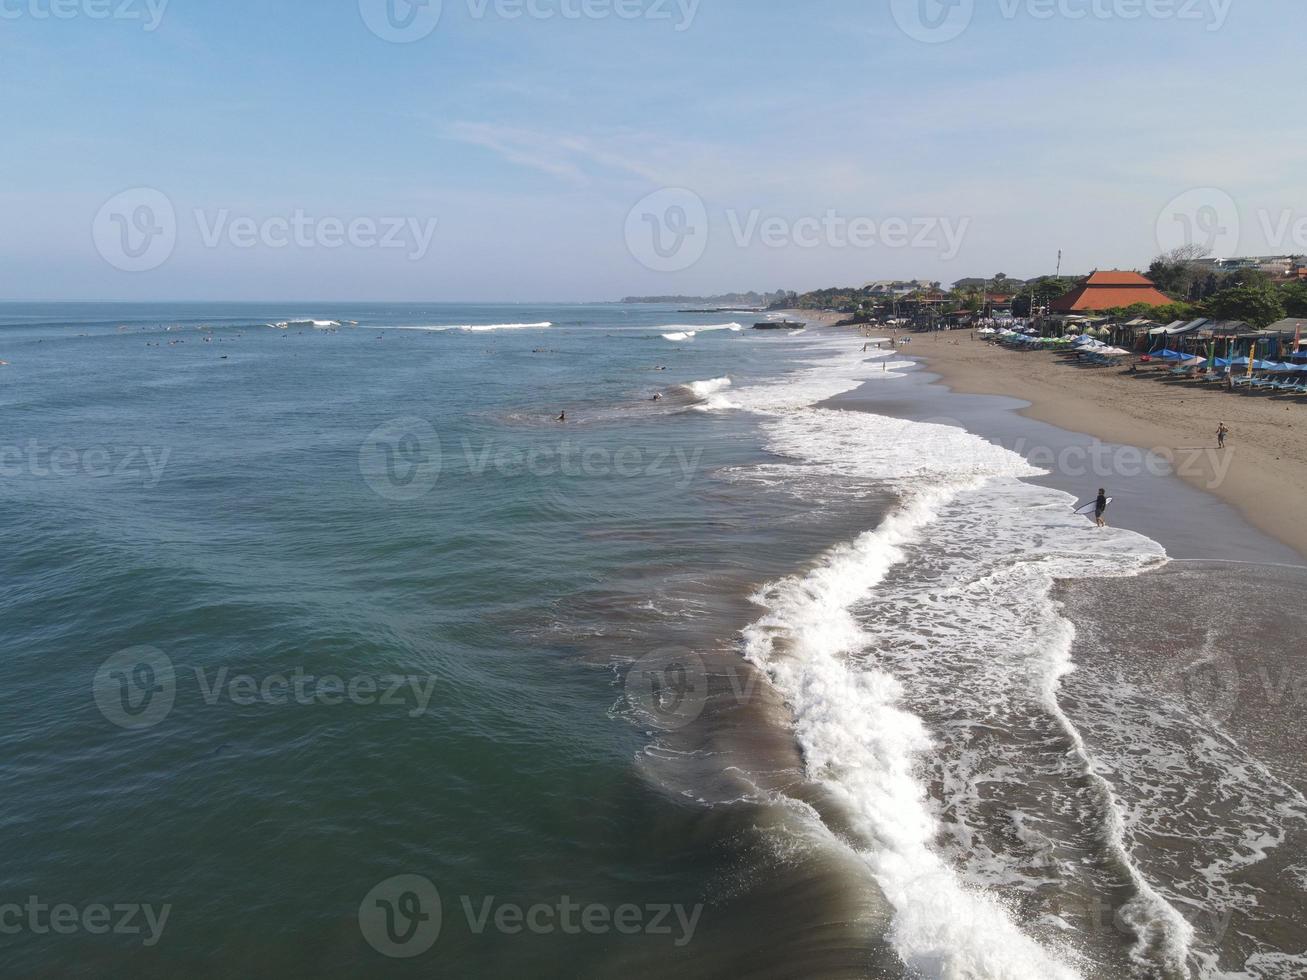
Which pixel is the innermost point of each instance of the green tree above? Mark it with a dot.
(1294, 297)
(1257, 305)
(1177, 273)
(1176, 311)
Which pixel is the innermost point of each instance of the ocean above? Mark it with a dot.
(332, 651)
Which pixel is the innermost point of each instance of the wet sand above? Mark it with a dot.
(1184, 515)
(1188, 689)
(1263, 472)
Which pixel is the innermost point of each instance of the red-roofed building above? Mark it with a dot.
(1109, 290)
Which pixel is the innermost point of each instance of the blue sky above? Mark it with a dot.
(1044, 124)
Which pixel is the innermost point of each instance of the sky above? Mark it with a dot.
(576, 150)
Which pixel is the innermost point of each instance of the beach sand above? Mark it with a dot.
(1264, 476)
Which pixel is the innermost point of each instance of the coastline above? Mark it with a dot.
(1174, 653)
(1258, 475)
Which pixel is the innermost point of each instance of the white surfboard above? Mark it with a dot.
(1088, 509)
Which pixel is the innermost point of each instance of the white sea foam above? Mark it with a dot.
(857, 645)
(679, 333)
(471, 327)
(709, 328)
(315, 324)
(709, 396)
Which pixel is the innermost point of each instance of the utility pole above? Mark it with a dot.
(1059, 263)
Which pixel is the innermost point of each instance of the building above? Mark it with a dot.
(898, 287)
(1275, 266)
(982, 285)
(1290, 327)
(1109, 290)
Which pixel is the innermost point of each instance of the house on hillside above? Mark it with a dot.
(1004, 285)
(1275, 266)
(888, 288)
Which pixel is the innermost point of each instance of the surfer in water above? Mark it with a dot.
(1100, 509)
(562, 417)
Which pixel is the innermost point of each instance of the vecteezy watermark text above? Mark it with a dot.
(138, 688)
(670, 230)
(403, 917)
(148, 12)
(138, 230)
(403, 460)
(1212, 222)
(302, 230)
(40, 918)
(407, 21)
(99, 462)
(1101, 461)
(939, 21)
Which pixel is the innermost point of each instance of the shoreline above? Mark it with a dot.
(1257, 474)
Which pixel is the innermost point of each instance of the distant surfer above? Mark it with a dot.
(658, 397)
(1100, 508)
(1221, 434)
(562, 417)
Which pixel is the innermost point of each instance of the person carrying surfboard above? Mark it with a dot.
(1100, 508)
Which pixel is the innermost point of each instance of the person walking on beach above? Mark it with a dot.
(1221, 433)
(1100, 508)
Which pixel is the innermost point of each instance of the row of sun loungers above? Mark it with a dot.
(1097, 354)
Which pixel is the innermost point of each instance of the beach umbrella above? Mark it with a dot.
(1252, 365)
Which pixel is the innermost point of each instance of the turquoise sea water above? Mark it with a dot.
(191, 480)
(330, 652)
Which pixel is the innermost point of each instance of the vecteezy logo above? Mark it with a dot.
(1206, 218)
(401, 460)
(401, 21)
(135, 688)
(668, 230)
(668, 689)
(933, 21)
(136, 231)
(401, 917)
(1210, 684)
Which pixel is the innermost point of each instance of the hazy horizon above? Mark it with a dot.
(530, 152)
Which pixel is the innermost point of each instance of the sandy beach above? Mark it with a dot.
(1263, 472)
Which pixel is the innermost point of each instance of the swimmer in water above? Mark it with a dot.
(562, 417)
(658, 397)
